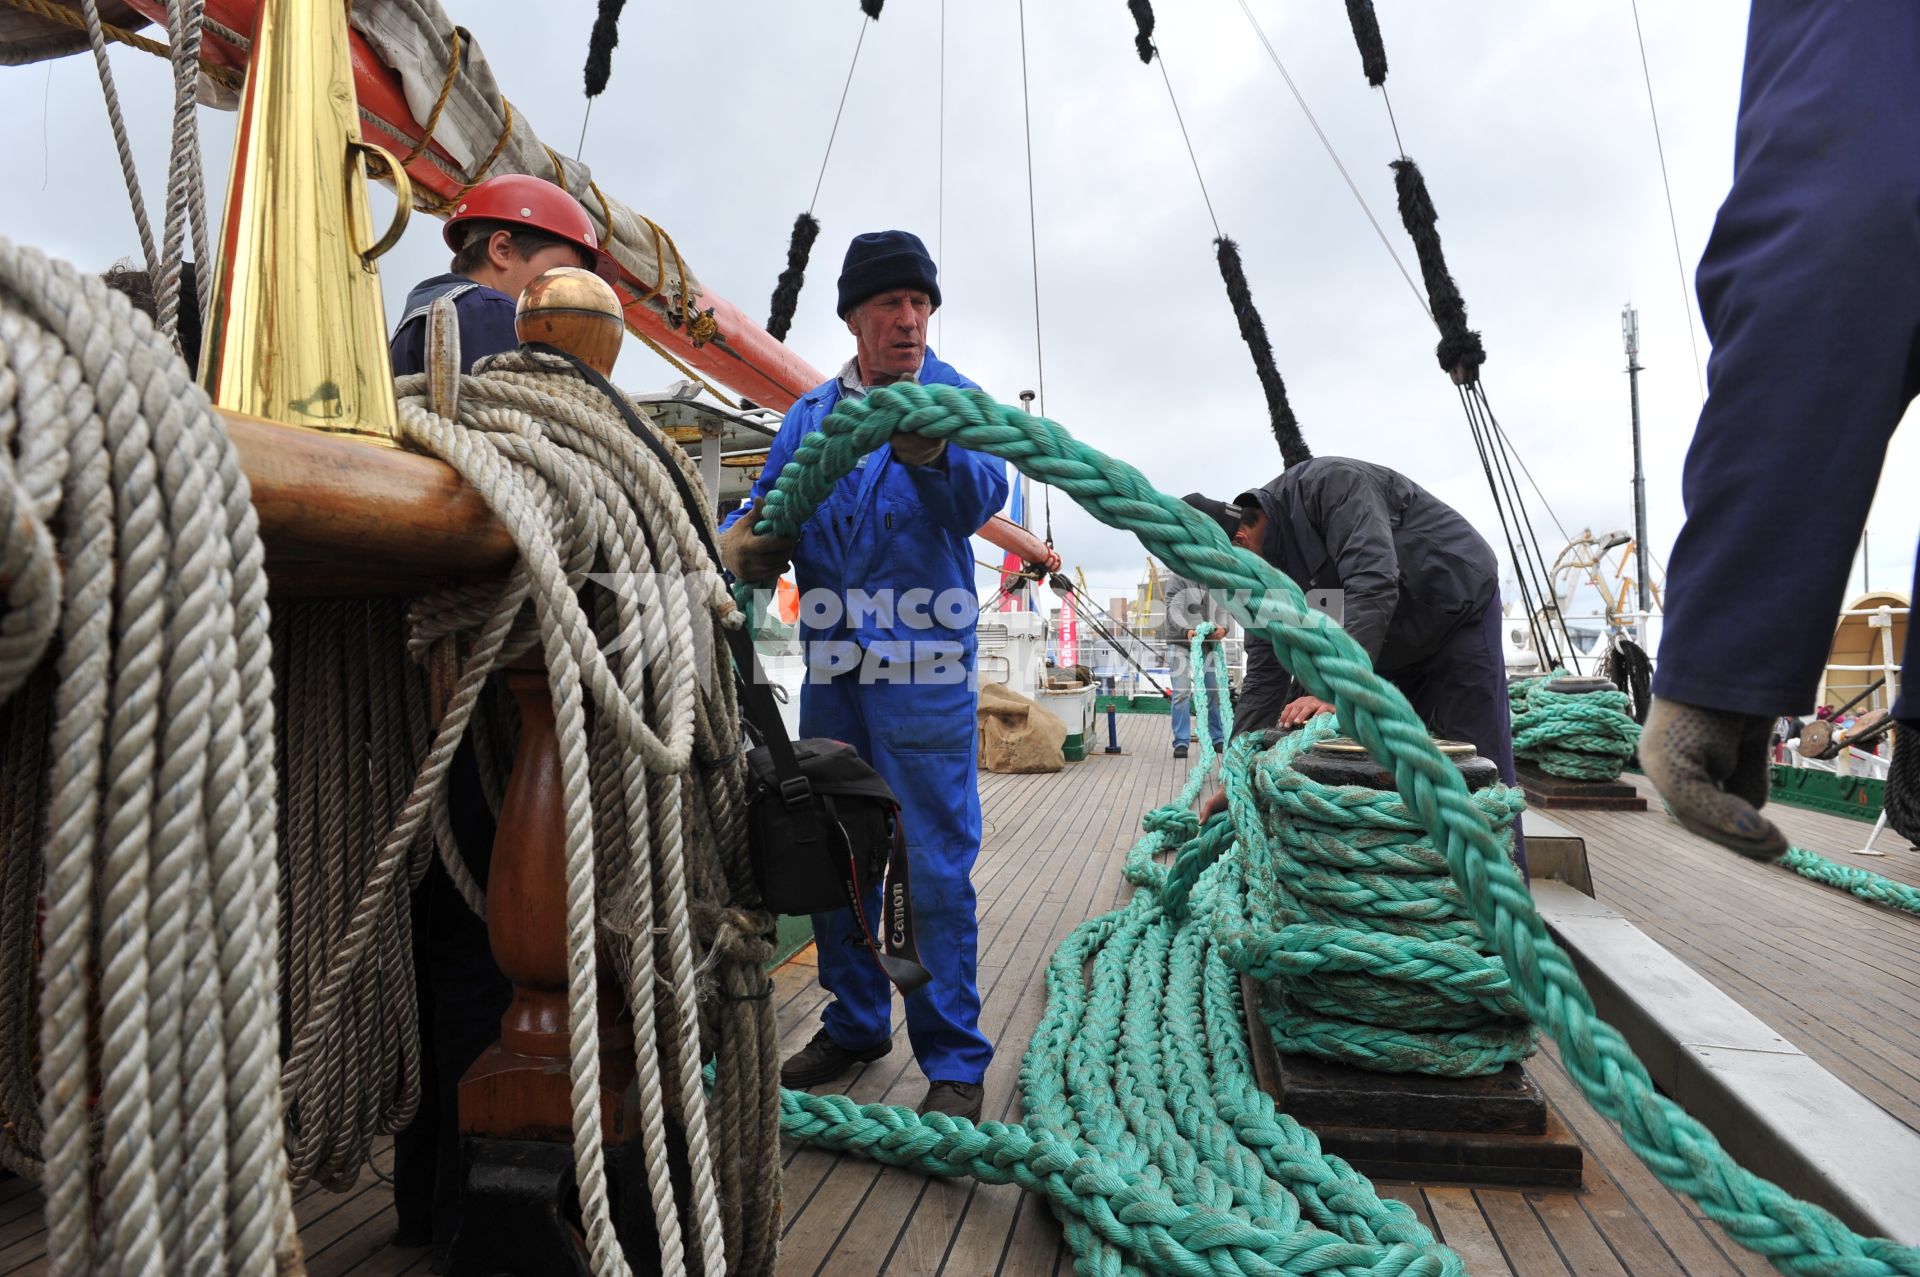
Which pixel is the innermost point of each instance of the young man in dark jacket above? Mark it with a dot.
(505, 233)
(1419, 590)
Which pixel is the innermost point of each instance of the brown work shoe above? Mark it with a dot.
(955, 1099)
(823, 1060)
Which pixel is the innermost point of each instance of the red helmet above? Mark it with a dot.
(533, 202)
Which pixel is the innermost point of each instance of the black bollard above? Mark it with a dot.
(1113, 730)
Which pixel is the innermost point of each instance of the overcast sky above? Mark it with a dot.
(1528, 118)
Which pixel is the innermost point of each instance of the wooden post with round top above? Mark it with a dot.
(576, 311)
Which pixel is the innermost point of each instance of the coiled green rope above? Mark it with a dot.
(1131, 1203)
(1353, 871)
(1582, 737)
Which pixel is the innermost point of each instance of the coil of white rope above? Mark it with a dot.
(159, 873)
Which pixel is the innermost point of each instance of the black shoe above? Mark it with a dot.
(823, 1060)
(1179, 751)
(955, 1099)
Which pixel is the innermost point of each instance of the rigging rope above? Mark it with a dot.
(806, 228)
(1673, 225)
(1125, 1173)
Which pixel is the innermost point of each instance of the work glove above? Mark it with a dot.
(917, 450)
(753, 557)
(1711, 767)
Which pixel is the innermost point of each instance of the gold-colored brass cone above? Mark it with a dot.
(297, 333)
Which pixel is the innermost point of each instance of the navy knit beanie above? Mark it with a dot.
(880, 260)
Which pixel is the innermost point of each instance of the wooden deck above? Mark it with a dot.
(1840, 978)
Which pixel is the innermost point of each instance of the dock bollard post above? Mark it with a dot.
(1113, 730)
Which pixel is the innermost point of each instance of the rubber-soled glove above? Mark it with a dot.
(750, 556)
(1711, 767)
(917, 450)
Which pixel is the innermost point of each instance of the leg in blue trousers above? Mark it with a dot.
(1179, 672)
(920, 735)
(1810, 291)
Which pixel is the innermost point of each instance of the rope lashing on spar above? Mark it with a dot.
(1173, 1212)
(1585, 736)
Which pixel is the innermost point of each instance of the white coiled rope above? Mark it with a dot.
(652, 796)
(126, 534)
(148, 786)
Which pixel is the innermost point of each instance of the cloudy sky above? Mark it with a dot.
(1529, 119)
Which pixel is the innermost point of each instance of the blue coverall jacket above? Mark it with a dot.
(895, 680)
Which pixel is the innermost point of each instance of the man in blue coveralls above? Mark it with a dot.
(505, 233)
(887, 616)
(1810, 292)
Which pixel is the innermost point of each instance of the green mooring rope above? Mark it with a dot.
(1142, 1178)
(1352, 869)
(1869, 886)
(1585, 737)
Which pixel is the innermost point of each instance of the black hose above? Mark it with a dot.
(1286, 430)
(1459, 351)
(786, 291)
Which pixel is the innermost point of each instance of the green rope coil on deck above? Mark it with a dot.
(1352, 872)
(1130, 1201)
(1581, 737)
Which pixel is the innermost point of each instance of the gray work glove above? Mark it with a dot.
(750, 556)
(1711, 767)
(917, 450)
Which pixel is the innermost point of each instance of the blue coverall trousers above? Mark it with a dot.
(922, 739)
(1810, 291)
(1180, 670)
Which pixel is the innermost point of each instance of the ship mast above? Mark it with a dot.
(1630, 332)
